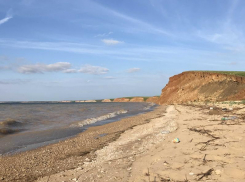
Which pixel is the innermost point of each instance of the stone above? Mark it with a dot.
(218, 172)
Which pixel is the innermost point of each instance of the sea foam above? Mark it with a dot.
(100, 118)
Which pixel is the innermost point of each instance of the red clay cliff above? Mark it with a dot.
(202, 86)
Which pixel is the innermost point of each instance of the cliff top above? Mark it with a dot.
(236, 73)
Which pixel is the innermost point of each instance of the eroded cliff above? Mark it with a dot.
(203, 86)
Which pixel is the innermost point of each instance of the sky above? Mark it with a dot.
(95, 49)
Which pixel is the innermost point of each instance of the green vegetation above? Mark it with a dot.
(237, 73)
(98, 100)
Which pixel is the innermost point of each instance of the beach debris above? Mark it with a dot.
(206, 174)
(211, 108)
(165, 179)
(204, 158)
(228, 118)
(176, 140)
(224, 109)
(230, 108)
(165, 163)
(165, 132)
(191, 173)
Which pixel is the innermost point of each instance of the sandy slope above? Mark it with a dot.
(210, 150)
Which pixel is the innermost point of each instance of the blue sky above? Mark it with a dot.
(94, 49)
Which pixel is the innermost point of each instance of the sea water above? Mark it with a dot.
(28, 126)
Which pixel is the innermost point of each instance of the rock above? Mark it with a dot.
(218, 172)
(88, 160)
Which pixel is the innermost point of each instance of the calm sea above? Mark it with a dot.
(28, 126)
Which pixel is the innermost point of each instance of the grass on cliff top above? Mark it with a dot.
(237, 73)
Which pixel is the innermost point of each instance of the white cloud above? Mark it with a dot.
(93, 70)
(7, 18)
(40, 68)
(133, 70)
(70, 71)
(111, 41)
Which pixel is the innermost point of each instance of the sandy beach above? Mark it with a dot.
(140, 148)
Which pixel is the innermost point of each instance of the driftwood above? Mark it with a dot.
(206, 174)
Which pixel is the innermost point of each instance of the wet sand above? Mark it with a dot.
(68, 154)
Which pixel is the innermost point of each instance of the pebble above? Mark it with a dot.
(87, 160)
(218, 172)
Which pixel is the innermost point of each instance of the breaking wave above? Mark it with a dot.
(100, 118)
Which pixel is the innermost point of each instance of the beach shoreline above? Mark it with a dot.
(141, 148)
(64, 155)
(210, 149)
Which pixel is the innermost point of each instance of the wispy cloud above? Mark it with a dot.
(111, 41)
(104, 34)
(226, 33)
(70, 71)
(13, 81)
(41, 68)
(9, 15)
(93, 70)
(128, 53)
(138, 24)
(109, 77)
(133, 70)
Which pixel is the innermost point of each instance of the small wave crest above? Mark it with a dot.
(100, 118)
(149, 106)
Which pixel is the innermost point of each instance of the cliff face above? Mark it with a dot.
(121, 100)
(106, 100)
(137, 99)
(154, 99)
(202, 86)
